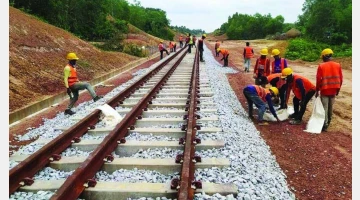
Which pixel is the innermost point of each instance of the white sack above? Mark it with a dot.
(111, 116)
(317, 118)
(282, 114)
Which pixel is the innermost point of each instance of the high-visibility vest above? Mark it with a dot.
(161, 47)
(171, 45)
(280, 82)
(330, 75)
(248, 52)
(262, 92)
(261, 67)
(307, 85)
(224, 52)
(72, 79)
(191, 40)
(277, 69)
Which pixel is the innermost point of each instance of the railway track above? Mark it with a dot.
(165, 101)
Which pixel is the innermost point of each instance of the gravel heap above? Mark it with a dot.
(253, 168)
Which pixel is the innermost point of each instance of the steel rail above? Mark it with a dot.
(22, 173)
(186, 190)
(83, 176)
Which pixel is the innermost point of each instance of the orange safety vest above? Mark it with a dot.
(281, 81)
(261, 67)
(307, 86)
(262, 92)
(330, 75)
(282, 65)
(217, 45)
(171, 45)
(161, 47)
(248, 52)
(224, 52)
(72, 79)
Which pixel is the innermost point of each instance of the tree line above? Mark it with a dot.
(184, 30)
(326, 21)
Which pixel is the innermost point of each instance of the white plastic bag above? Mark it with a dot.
(282, 114)
(317, 118)
(110, 116)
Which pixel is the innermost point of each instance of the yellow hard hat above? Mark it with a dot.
(286, 72)
(71, 56)
(204, 35)
(275, 52)
(275, 90)
(326, 52)
(161, 41)
(264, 52)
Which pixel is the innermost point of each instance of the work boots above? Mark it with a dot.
(97, 98)
(69, 112)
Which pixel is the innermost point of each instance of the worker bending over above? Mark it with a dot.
(275, 80)
(225, 57)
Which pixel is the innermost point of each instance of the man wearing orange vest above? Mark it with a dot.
(303, 90)
(162, 49)
(171, 46)
(329, 80)
(217, 45)
(248, 54)
(262, 67)
(225, 54)
(181, 41)
(278, 64)
(257, 95)
(275, 80)
(73, 85)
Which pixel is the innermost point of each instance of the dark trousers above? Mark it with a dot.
(226, 60)
(253, 98)
(161, 53)
(201, 55)
(282, 95)
(174, 48)
(296, 102)
(216, 53)
(181, 44)
(189, 48)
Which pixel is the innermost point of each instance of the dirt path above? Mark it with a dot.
(317, 166)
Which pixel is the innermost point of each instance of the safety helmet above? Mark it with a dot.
(275, 52)
(326, 52)
(264, 52)
(286, 72)
(275, 90)
(71, 56)
(204, 35)
(161, 41)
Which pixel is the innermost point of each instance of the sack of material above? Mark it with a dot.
(110, 116)
(317, 118)
(282, 114)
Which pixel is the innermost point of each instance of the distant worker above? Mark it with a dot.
(279, 63)
(259, 96)
(275, 80)
(248, 54)
(201, 47)
(73, 85)
(194, 41)
(171, 46)
(303, 90)
(174, 46)
(162, 49)
(329, 80)
(181, 41)
(262, 67)
(190, 43)
(217, 45)
(225, 54)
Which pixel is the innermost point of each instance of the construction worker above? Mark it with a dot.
(189, 42)
(194, 41)
(73, 85)
(275, 80)
(303, 90)
(174, 46)
(201, 47)
(259, 96)
(278, 64)
(225, 54)
(248, 54)
(217, 45)
(162, 49)
(171, 46)
(262, 67)
(329, 80)
(181, 41)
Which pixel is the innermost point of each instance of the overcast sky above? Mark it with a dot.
(208, 15)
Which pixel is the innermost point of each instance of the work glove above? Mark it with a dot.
(69, 92)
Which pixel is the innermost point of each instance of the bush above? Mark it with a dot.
(135, 50)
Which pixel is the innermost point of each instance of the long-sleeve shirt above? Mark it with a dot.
(252, 89)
